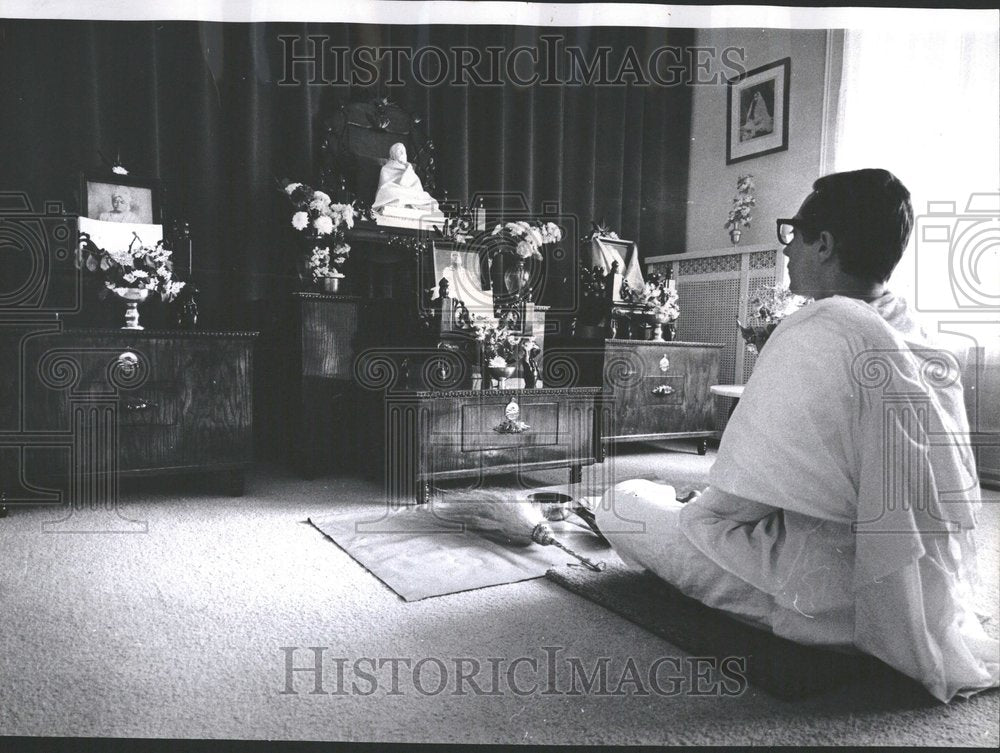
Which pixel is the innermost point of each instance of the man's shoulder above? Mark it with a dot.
(829, 333)
(837, 317)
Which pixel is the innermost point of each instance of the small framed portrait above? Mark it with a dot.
(120, 198)
(463, 271)
(757, 112)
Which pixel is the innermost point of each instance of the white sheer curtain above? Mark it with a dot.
(926, 106)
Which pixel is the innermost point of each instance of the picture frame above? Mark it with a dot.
(463, 268)
(757, 112)
(139, 205)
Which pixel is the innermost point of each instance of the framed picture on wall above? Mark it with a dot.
(757, 112)
(109, 197)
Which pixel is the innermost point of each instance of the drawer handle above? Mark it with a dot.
(663, 390)
(139, 404)
(128, 364)
(664, 363)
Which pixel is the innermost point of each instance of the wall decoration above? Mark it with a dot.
(757, 112)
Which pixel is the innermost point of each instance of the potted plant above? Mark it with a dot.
(323, 223)
(740, 216)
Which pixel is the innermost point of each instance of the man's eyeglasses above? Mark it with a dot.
(786, 229)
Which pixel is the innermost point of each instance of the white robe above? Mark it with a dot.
(399, 186)
(842, 501)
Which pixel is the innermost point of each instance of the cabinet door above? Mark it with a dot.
(215, 402)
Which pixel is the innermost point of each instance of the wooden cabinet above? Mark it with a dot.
(657, 390)
(660, 390)
(126, 403)
(323, 408)
(468, 434)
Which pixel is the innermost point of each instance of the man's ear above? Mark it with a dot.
(825, 249)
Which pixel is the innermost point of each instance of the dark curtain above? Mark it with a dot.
(201, 107)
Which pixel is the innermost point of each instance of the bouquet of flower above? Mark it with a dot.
(661, 298)
(323, 223)
(500, 345)
(137, 267)
(770, 305)
(743, 202)
(528, 239)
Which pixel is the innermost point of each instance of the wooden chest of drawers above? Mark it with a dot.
(431, 436)
(660, 390)
(656, 389)
(127, 403)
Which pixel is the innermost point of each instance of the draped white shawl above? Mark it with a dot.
(855, 427)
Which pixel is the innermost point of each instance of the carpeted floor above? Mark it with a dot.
(179, 632)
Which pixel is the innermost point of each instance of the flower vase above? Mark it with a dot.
(734, 235)
(329, 284)
(132, 297)
(668, 331)
(517, 279)
(501, 374)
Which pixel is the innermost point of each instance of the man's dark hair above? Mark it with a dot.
(869, 214)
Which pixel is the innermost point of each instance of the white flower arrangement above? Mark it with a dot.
(323, 223)
(529, 238)
(138, 266)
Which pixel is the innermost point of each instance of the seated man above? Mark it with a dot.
(843, 500)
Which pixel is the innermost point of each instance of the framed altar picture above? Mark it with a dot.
(120, 198)
(757, 112)
(463, 269)
(605, 251)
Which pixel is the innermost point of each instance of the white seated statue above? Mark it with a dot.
(399, 188)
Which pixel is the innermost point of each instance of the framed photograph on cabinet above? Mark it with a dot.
(757, 112)
(110, 197)
(464, 272)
